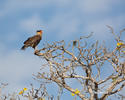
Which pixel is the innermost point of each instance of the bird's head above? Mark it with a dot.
(39, 32)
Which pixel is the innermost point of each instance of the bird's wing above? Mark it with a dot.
(32, 39)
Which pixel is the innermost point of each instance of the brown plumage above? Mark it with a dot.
(33, 41)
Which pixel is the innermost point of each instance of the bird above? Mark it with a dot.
(33, 41)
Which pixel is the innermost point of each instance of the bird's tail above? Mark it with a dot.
(23, 47)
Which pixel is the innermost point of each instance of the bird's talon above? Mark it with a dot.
(36, 51)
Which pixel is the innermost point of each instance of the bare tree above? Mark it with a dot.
(39, 93)
(81, 62)
(5, 96)
(26, 94)
(84, 63)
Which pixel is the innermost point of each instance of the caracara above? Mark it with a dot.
(33, 41)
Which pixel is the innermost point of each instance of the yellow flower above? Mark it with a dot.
(21, 92)
(119, 44)
(24, 89)
(72, 94)
(76, 92)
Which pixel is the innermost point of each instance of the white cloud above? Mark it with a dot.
(17, 67)
(22, 5)
(65, 25)
(32, 23)
(12, 37)
(93, 6)
(87, 6)
(2, 48)
(100, 29)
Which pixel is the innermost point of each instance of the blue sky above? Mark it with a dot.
(60, 20)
